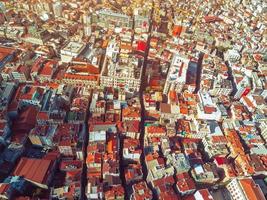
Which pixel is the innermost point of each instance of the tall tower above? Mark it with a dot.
(57, 9)
(87, 21)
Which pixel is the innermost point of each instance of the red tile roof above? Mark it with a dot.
(219, 139)
(36, 65)
(185, 182)
(209, 19)
(114, 191)
(4, 187)
(29, 95)
(81, 77)
(221, 160)
(177, 30)
(42, 116)
(131, 112)
(23, 69)
(252, 191)
(91, 69)
(132, 126)
(209, 109)
(141, 191)
(47, 70)
(156, 129)
(24, 123)
(5, 51)
(35, 170)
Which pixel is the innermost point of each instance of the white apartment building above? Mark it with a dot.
(176, 77)
(71, 50)
(244, 189)
(109, 18)
(123, 74)
(206, 108)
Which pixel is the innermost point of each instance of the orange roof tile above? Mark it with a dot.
(91, 69)
(47, 70)
(81, 77)
(252, 191)
(141, 191)
(5, 51)
(156, 129)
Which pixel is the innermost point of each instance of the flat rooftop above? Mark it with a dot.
(74, 47)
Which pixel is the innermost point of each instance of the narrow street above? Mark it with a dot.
(230, 74)
(199, 72)
(142, 128)
(231, 78)
(133, 100)
(141, 92)
(85, 134)
(84, 170)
